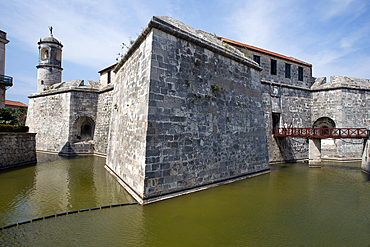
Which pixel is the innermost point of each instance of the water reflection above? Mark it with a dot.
(15, 186)
(55, 185)
(291, 206)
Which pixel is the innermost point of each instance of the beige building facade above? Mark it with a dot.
(5, 81)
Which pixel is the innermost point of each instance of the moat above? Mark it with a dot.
(292, 206)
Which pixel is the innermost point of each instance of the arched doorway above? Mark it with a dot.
(327, 145)
(324, 122)
(83, 129)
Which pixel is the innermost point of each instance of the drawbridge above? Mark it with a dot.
(314, 135)
(321, 133)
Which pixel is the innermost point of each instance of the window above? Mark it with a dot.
(300, 74)
(257, 59)
(273, 67)
(59, 55)
(287, 70)
(44, 53)
(108, 80)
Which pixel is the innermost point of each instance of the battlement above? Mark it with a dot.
(341, 82)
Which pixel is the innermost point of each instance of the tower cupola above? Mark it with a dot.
(49, 70)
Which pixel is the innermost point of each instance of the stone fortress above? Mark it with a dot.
(185, 110)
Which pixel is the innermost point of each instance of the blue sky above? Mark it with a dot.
(333, 35)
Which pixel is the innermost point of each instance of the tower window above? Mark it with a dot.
(59, 55)
(44, 53)
(300, 74)
(257, 59)
(287, 70)
(273, 67)
(108, 80)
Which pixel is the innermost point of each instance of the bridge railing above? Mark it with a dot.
(338, 133)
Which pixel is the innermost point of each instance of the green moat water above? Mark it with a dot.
(291, 206)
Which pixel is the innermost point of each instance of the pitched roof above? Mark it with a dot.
(253, 48)
(14, 104)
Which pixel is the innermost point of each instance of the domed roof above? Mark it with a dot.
(50, 39)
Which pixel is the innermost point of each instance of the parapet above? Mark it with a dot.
(74, 85)
(341, 82)
(200, 38)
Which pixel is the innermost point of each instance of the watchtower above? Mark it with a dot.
(49, 70)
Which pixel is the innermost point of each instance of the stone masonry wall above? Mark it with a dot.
(48, 76)
(291, 100)
(265, 63)
(288, 97)
(103, 117)
(294, 109)
(48, 116)
(83, 103)
(198, 134)
(128, 126)
(348, 109)
(17, 149)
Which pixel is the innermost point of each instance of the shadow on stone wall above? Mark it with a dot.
(286, 150)
(67, 150)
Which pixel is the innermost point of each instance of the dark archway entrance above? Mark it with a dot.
(324, 122)
(275, 120)
(83, 129)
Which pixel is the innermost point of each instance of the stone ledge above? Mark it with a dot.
(17, 133)
(163, 25)
(68, 90)
(183, 192)
(285, 85)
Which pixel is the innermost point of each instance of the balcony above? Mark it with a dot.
(6, 81)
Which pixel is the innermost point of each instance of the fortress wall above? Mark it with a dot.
(349, 108)
(295, 110)
(48, 116)
(329, 104)
(290, 99)
(49, 75)
(103, 117)
(127, 132)
(17, 149)
(198, 136)
(82, 104)
(265, 63)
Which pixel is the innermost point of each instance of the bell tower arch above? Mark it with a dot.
(49, 70)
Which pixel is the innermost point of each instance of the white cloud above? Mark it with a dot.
(91, 31)
(322, 32)
(331, 8)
